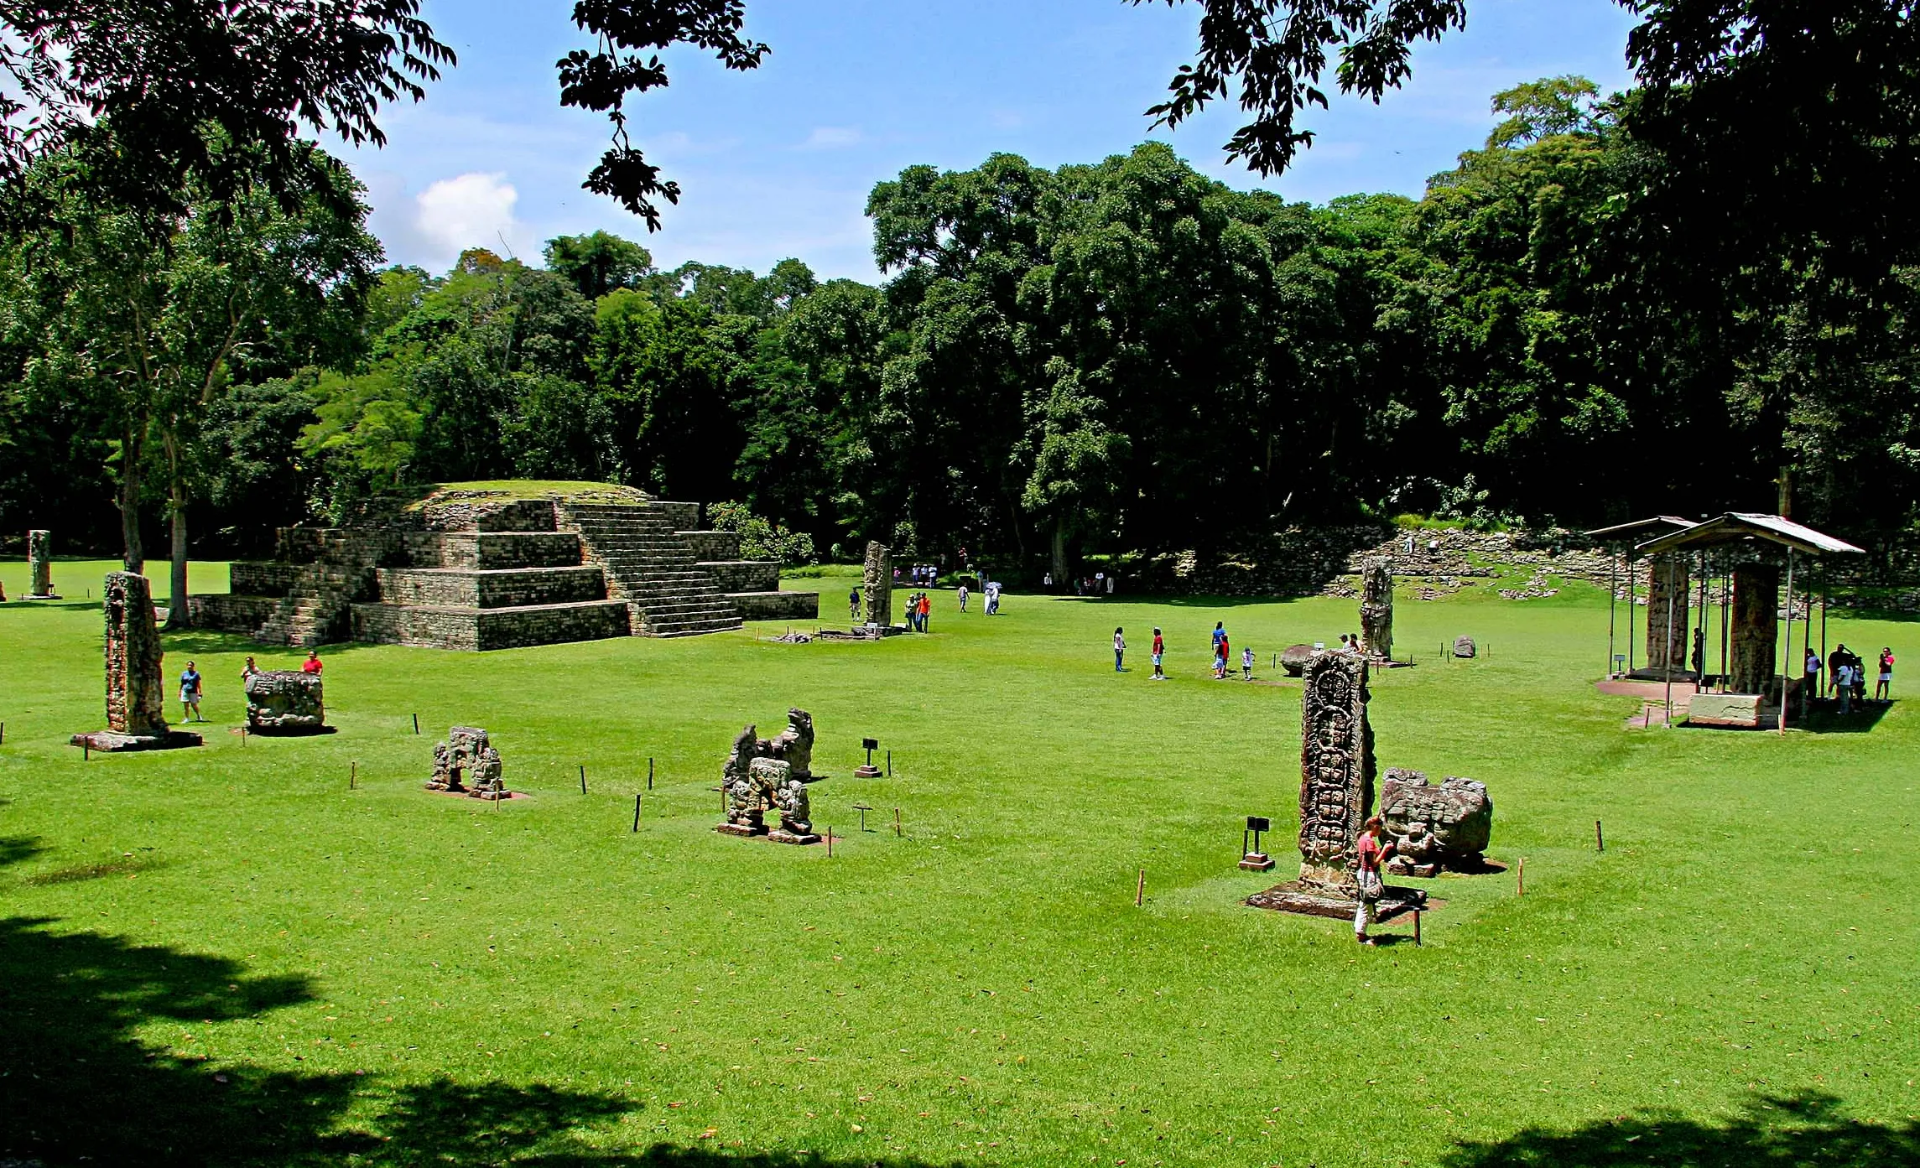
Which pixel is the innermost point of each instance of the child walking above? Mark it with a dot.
(1246, 662)
(1159, 651)
(1119, 648)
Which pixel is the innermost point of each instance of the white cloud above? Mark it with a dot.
(833, 137)
(469, 210)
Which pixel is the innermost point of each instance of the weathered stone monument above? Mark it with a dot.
(40, 566)
(877, 588)
(285, 701)
(1668, 586)
(468, 755)
(1336, 794)
(1376, 609)
(1756, 631)
(1294, 659)
(1464, 647)
(1435, 829)
(136, 695)
(762, 775)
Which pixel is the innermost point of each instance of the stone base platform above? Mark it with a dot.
(866, 771)
(479, 629)
(41, 596)
(112, 741)
(782, 836)
(1294, 897)
(794, 606)
(740, 829)
(1256, 862)
(1733, 711)
(862, 633)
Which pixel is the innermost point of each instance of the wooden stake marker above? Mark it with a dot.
(1599, 840)
(1416, 928)
(353, 775)
(636, 812)
(1140, 889)
(896, 823)
(583, 778)
(1520, 877)
(416, 724)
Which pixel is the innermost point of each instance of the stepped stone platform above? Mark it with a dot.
(478, 570)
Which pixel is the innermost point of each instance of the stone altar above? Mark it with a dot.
(468, 754)
(136, 694)
(1464, 647)
(1435, 829)
(1295, 657)
(1376, 609)
(285, 701)
(762, 775)
(40, 566)
(1336, 795)
(877, 588)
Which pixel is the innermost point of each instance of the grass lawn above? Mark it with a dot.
(225, 956)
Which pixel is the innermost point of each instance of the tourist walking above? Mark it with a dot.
(1843, 679)
(963, 598)
(1835, 660)
(190, 694)
(1222, 656)
(1119, 648)
(853, 603)
(1246, 663)
(1883, 688)
(251, 670)
(312, 663)
(926, 613)
(1219, 654)
(1372, 853)
(1159, 651)
(1812, 683)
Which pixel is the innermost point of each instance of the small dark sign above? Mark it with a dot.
(1259, 823)
(870, 743)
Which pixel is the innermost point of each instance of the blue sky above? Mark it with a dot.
(779, 162)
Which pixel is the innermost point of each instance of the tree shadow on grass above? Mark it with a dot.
(78, 1084)
(1806, 1130)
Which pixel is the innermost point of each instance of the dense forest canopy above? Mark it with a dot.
(1122, 355)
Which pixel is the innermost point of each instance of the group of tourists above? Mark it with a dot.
(193, 687)
(918, 575)
(1847, 676)
(919, 612)
(1222, 654)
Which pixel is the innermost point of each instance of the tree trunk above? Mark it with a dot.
(133, 554)
(1059, 551)
(179, 615)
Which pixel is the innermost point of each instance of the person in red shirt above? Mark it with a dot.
(1159, 649)
(312, 663)
(1372, 852)
(1883, 688)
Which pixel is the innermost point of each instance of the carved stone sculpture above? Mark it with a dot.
(1435, 828)
(1376, 609)
(285, 701)
(877, 587)
(1464, 647)
(1669, 586)
(1756, 629)
(1294, 659)
(762, 775)
(136, 698)
(40, 566)
(468, 755)
(1336, 770)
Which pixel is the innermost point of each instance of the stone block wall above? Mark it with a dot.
(497, 549)
(744, 575)
(713, 545)
(475, 630)
(681, 516)
(505, 588)
(261, 577)
(774, 606)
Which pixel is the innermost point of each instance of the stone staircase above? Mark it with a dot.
(317, 608)
(651, 566)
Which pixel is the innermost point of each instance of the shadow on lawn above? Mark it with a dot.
(80, 1085)
(1802, 1131)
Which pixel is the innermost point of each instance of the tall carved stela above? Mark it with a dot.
(877, 589)
(1336, 769)
(1376, 608)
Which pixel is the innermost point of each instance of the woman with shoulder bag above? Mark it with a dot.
(1372, 853)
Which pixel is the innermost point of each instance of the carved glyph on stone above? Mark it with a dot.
(136, 700)
(1336, 770)
(40, 566)
(467, 763)
(285, 700)
(877, 587)
(1376, 608)
(1435, 828)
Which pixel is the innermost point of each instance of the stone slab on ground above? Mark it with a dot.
(1312, 901)
(1740, 711)
(113, 742)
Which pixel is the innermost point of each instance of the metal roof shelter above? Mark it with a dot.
(1754, 532)
(1639, 529)
(1623, 538)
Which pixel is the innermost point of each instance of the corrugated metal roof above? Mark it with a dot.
(1736, 526)
(1638, 527)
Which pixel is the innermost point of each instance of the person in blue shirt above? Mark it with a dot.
(190, 694)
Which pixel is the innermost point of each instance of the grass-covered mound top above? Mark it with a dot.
(512, 490)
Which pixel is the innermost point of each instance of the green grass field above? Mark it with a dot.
(225, 956)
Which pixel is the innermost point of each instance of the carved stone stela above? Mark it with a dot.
(466, 763)
(40, 566)
(1336, 770)
(877, 587)
(1376, 609)
(136, 694)
(762, 775)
